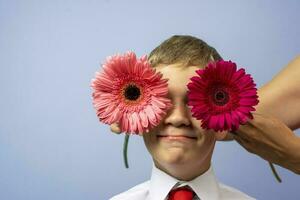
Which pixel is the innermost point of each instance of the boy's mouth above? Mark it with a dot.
(176, 137)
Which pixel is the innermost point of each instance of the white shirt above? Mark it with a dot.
(205, 186)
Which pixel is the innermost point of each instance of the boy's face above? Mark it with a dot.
(179, 139)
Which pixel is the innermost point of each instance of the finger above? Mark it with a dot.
(115, 128)
(259, 120)
(256, 117)
(243, 140)
(245, 144)
(257, 114)
(245, 131)
(229, 137)
(255, 128)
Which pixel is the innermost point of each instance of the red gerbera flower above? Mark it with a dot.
(221, 96)
(130, 92)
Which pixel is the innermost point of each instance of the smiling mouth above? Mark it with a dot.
(176, 137)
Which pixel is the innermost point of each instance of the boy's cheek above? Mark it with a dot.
(196, 123)
(200, 131)
(149, 140)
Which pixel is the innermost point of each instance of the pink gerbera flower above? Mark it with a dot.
(221, 96)
(130, 92)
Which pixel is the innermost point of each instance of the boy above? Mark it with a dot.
(180, 148)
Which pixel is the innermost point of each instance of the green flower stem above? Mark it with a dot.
(125, 147)
(274, 172)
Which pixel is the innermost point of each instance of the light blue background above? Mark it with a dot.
(52, 146)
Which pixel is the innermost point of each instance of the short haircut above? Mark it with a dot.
(184, 49)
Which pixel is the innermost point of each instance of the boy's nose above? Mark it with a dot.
(177, 116)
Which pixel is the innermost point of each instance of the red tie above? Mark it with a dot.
(182, 193)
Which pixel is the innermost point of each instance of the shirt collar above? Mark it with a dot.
(205, 186)
(160, 184)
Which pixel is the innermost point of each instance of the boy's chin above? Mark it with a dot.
(177, 156)
(174, 156)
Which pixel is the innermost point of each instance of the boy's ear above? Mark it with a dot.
(221, 135)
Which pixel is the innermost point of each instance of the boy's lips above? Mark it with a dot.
(176, 137)
(176, 140)
(173, 135)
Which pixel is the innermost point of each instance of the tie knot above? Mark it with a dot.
(181, 193)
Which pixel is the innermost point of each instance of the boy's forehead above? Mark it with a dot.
(178, 77)
(177, 73)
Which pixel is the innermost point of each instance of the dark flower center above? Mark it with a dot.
(220, 97)
(132, 92)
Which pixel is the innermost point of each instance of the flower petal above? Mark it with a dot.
(144, 119)
(150, 114)
(221, 121)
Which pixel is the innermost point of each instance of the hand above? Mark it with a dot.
(115, 128)
(272, 140)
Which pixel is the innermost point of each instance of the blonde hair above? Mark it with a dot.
(184, 49)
